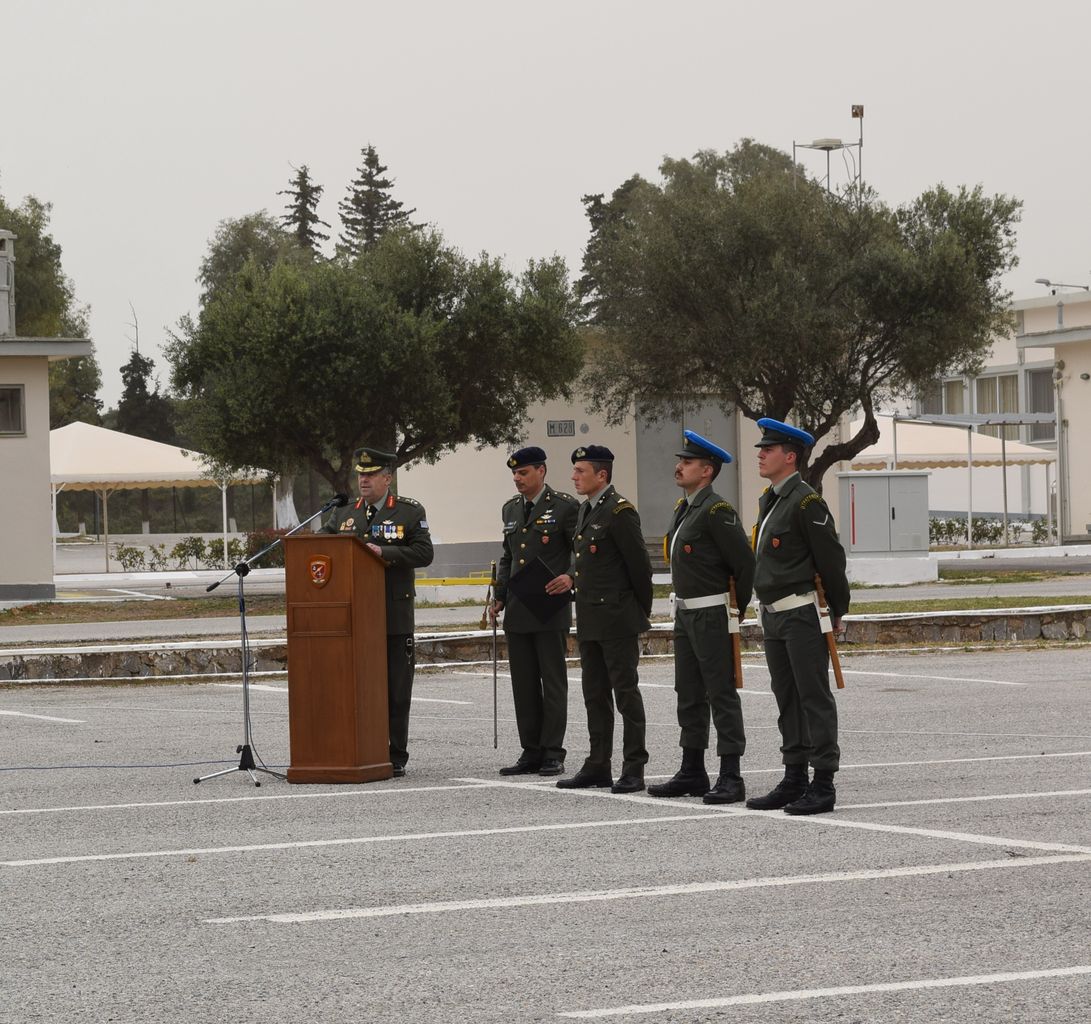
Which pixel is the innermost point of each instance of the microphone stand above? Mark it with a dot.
(242, 570)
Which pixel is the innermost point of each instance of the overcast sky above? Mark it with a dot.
(146, 123)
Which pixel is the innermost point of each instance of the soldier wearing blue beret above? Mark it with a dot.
(612, 578)
(538, 523)
(396, 529)
(706, 548)
(795, 540)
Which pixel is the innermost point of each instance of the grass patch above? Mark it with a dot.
(951, 574)
(128, 611)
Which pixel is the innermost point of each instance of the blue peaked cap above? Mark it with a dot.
(775, 432)
(694, 446)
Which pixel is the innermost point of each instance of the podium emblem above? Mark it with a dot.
(321, 569)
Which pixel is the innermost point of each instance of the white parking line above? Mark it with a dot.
(646, 892)
(43, 718)
(826, 993)
(351, 794)
(355, 840)
(966, 799)
(942, 679)
(820, 820)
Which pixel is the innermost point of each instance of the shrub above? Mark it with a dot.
(157, 557)
(1042, 532)
(188, 550)
(260, 538)
(213, 557)
(131, 558)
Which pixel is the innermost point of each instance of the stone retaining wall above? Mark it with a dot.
(163, 660)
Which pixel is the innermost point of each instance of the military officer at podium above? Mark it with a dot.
(707, 549)
(538, 523)
(612, 577)
(395, 528)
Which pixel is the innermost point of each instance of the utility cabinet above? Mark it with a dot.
(884, 512)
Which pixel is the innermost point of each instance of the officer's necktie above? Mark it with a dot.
(529, 512)
(370, 513)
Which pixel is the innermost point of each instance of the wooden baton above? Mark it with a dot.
(736, 637)
(831, 642)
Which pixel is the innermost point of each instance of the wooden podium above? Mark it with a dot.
(337, 703)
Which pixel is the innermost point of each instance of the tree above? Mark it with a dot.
(255, 236)
(46, 307)
(739, 278)
(412, 347)
(301, 213)
(368, 210)
(142, 410)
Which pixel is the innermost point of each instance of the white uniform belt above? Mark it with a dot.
(786, 604)
(688, 604)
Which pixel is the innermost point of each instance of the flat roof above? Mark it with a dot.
(52, 348)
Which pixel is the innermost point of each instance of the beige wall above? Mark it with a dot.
(1076, 413)
(463, 492)
(26, 552)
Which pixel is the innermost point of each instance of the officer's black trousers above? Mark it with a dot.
(539, 687)
(798, 660)
(704, 678)
(400, 663)
(609, 675)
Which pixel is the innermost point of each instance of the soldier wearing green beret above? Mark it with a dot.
(538, 523)
(612, 578)
(395, 528)
(707, 549)
(794, 541)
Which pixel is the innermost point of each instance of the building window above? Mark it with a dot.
(1040, 399)
(953, 397)
(942, 398)
(12, 416)
(930, 400)
(998, 394)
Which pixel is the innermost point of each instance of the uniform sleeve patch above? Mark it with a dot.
(725, 505)
(810, 499)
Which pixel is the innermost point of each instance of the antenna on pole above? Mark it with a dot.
(135, 325)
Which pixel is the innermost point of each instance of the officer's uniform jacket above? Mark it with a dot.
(400, 529)
(707, 547)
(611, 571)
(546, 535)
(797, 541)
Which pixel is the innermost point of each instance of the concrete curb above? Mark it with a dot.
(201, 658)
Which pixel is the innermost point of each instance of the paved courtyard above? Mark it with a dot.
(951, 883)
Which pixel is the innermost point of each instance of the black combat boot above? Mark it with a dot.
(729, 788)
(690, 780)
(791, 787)
(819, 797)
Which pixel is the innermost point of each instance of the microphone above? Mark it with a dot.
(339, 500)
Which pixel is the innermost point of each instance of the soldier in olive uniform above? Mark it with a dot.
(795, 539)
(396, 529)
(706, 548)
(612, 577)
(539, 522)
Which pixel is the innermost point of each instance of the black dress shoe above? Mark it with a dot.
(524, 766)
(628, 784)
(399, 771)
(584, 779)
(552, 766)
(681, 784)
(818, 799)
(729, 789)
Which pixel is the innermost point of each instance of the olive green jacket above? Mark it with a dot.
(706, 546)
(612, 571)
(400, 529)
(548, 536)
(798, 540)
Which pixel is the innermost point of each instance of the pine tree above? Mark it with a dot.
(368, 210)
(301, 216)
(143, 411)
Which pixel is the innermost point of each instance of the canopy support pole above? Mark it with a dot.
(106, 525)
(970, 487)
(223, 506)
(1004, 479)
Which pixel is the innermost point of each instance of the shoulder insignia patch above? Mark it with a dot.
(565, 497)
(409, 501)
(622, 505)
(725, 505)
(810, 499)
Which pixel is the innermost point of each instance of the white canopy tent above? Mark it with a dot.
(87, 458)
(931, 443)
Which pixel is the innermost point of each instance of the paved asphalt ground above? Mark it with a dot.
(951, 883)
